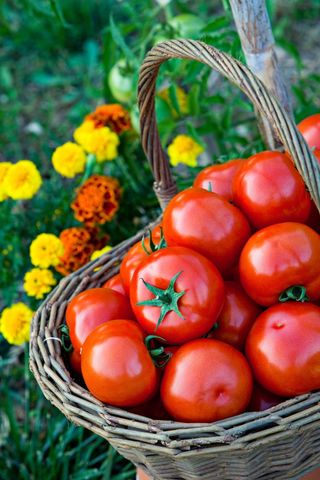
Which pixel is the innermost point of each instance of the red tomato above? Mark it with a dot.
(269, 189)
(134, 257)
(236, 318)
(197, 293)
(207, 223)
(310, 129)
(115, 283)
(141, 475)
(116, 365)
(75, 361)
(262, 399)
(314, 217)
(279, 257)
(91, 308)
(206, 380)
(219, 178)
(283, 348)
(152, 409)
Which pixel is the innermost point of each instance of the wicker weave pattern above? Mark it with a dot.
(281, 443)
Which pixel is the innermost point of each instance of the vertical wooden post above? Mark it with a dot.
(254, 28)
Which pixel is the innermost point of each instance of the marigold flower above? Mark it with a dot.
(69, 160)
(113, 116)
(182, 100)
(15, 323)
(185, 150)
(82, 133)
(79, 244)
(22, 181)
(46, 250)
(97, 200)
(4, 168)
(101, 142)
(38, 282)
(97, 253)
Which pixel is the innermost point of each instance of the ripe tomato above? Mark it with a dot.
(115, 283)
(283, 348)
(207, 223)
(135, 255)
(236, 318)
(153, 409)
(91, 308)
(314, 216)
(279, 257)
(75, 361)
(186, 290)
(269, 189)
(262, 399)
(219, 178)
(116, 365)
(310, 129)
(206, 380)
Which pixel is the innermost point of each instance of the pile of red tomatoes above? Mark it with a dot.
(216, 311)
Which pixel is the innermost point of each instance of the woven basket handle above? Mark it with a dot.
(266, 104)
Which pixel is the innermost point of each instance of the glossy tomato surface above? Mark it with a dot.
(116, 365)
(206, 380)
(115, 283)
(219, 178)
(91, 308)
(237, 316)
(278, 257)
(310, 129)
(262, 399)
(199, 305)
(75, 361)
(207, 223)
(283, 348)
(269, 189)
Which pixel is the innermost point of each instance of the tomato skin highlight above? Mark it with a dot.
(208, 224)
(206, 380)
(236, 318)
(115, 283)
(91, 308)
(278, 257)
(283, 348)
(219, 178)
(269, 190)
(200, 305)
(116, 365)
(310, 129)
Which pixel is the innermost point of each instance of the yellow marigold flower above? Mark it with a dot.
(182, 100)
(15, 323)
(22, 180)
(185, 150)
(82, 133)
(69, 159)
(46, 250)
(38, 282)
(97, 253)
(103, 143)
(4, 168)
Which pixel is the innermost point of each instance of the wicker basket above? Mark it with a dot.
(281, 443)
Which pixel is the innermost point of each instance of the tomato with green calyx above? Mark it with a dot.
(283, 348)
(219, 178)
(91, 308)
(115, 283)
(310, 129)
(236, 318)
(177, 293)
(269, 190)
(208, 224)
(206, 380)
(281, 261)
(116, 365)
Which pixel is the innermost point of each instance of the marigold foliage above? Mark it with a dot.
(113, 116)
(38, 282)
(97, 200)
(4, 168)
(46, 250)
(185, 150)
(15, 323)
(22, 180)
(69, 159)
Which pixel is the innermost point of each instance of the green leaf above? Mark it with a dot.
(216, 24)
(120, 41)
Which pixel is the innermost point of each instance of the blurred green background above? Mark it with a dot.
(58, 61)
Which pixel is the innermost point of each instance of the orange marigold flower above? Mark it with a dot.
(113, 116)
(79, 244)
(97, 200)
